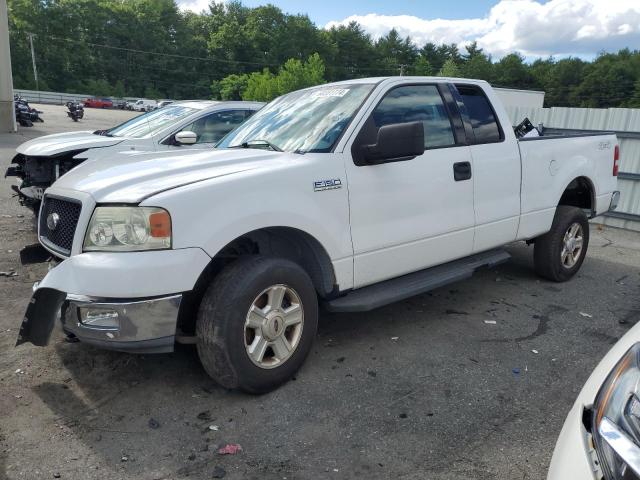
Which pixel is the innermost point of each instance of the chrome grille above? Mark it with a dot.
(58, 221)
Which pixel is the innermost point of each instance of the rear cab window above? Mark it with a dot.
(478, 111)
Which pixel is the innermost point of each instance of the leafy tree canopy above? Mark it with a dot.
(151, 48)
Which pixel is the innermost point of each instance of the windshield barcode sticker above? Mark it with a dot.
(329, 92)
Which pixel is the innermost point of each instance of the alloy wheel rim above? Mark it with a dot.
(572, 244)
(273, 326)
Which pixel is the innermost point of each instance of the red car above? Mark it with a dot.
(98, 103)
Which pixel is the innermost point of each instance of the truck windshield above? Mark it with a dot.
(150, 123)
(308, 120)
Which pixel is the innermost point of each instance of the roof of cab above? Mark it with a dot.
(205, 104)
(377, 80)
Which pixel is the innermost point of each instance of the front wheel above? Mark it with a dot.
(256, 323)
(558, 254)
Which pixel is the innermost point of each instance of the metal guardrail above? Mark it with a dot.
(53, 98)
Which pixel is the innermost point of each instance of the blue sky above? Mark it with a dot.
(322, 12)
(534, 28)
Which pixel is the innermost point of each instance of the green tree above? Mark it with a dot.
(512, 72)
(152, 93)
(473, 51)
(293, 75)
(478, 66)
(422, 67)
(449, 69)
(435, 55)
(116, 47)
(608, 81)
(118, 89)
(634, 102)
(351, 52)
(261, 86)
(395, 52)
(230, 87)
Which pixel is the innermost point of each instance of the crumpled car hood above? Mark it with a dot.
(64, 142)
(132, 177)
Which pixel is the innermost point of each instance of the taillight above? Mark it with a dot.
(616, 160)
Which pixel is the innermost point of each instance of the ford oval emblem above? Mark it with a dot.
(52, 221)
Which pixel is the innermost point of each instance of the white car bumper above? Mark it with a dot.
(120, 301)
(574, 457)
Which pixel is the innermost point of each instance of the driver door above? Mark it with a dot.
(413, 214)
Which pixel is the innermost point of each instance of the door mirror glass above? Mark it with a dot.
(396, 142)
(186, 137)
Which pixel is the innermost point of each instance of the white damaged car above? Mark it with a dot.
(183, 125)
(600, 439)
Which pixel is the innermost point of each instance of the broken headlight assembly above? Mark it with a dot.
(128, 229)
(616, 420)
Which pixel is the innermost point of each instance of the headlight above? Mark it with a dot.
(126, 229)
(616, 420)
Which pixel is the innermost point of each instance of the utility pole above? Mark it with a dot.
(7, 118)
(33, 60)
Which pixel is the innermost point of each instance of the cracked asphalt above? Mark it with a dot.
(424, 388)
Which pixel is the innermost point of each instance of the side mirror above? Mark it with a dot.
(186, 138)
(396, 142)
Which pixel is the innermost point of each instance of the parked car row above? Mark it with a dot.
(138, 105)
(352, 195)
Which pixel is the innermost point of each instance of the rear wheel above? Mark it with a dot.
(256, 323)
(558, 255)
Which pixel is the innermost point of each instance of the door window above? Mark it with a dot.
(211, 128)
(481, 115)
(417, 103)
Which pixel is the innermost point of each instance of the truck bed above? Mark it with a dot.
(551, 162)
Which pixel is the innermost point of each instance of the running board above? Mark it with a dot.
(396, 289)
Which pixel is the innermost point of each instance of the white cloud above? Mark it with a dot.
(196, 6)
(558, 27)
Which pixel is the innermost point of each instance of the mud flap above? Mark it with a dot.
(42, 313)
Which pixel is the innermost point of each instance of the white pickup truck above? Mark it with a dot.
(352, 195)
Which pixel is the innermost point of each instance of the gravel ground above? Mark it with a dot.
(419, 389)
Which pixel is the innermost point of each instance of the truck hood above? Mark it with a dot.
(130, 178)
(64, 142)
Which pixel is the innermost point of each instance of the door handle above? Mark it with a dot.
(461, 171)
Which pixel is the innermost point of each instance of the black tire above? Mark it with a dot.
(548, 247)
(220, 325)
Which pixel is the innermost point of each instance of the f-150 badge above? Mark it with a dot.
(331, 184)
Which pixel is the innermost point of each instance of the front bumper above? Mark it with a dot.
(140, 326)
(574, 455)
(121, 301)
(145, 325)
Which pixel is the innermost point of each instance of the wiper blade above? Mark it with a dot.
(258, 143)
